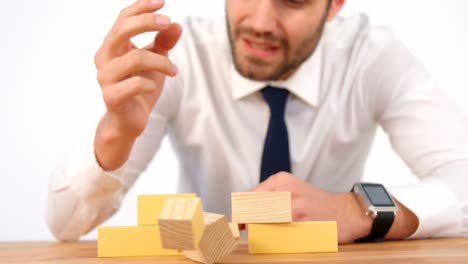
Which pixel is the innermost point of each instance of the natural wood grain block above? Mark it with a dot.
(217, 240)
(131, 241)
(149, 206)
(261, 207)
(181, 223)
(299, 237)
(235, 230)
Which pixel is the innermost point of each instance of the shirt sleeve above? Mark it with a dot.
(82, 195)
(430, 135)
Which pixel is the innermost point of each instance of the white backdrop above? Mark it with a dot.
(50, 101)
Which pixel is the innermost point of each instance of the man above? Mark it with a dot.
(282, 101)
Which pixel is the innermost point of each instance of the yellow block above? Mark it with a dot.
(181, 223)
(298, 237)
(131, 241)
(149, 207)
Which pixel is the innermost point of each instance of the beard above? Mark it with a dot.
(255, 68)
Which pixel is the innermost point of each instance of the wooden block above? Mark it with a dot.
(181, 223)
(149, 206)
(300, 237)
(261, 207)
(131, 241)
(235, 230)
(217, 240)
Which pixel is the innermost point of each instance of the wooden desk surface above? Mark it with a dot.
(453, 250)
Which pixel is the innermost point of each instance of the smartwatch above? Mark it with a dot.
(378, 205)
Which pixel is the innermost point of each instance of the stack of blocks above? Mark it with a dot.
(204, 237)
(268, 216)
(171, 225)
(138, 241)
(174, 225)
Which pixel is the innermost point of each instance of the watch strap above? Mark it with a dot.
(380, 227)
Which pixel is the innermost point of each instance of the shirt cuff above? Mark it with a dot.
(438, 209)
(89, 181)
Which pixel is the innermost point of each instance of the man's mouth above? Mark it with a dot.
(260, 48)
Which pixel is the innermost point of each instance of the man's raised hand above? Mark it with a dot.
(132, 78)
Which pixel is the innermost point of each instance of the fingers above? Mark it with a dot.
(167, 39)
(269, 185)
(119, 93)
(142, 6)
(277, 182)
(131, 78)
(127, 27)
(132, 63)
(136, 19)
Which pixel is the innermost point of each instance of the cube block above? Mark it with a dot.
(181, 223)
(149, 206)
(217, 240)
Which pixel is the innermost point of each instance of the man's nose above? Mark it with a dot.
(264, 16)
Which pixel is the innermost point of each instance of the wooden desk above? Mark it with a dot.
(453, 250)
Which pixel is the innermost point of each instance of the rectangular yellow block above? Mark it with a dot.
(149, 206)
(131, 241)
(298, 237)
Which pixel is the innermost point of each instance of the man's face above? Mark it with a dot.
(270, 39)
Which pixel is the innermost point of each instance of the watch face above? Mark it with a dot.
(377, 195)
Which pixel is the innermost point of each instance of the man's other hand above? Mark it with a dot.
(310, 203)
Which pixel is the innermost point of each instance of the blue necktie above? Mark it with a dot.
(276, 149)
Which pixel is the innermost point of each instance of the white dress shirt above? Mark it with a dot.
(359, 77)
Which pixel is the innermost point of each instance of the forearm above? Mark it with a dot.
(112, 146)
(83, 192)
(69, 218)
(429, 134)
(440, 201)
(359, 225)
(81, 195)
(404, 225)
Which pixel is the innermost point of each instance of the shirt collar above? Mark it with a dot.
(304, 83)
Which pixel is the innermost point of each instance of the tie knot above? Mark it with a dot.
(276, 99)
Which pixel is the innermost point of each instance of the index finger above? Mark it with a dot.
(142, 6)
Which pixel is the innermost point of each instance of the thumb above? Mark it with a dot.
(167, 39)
